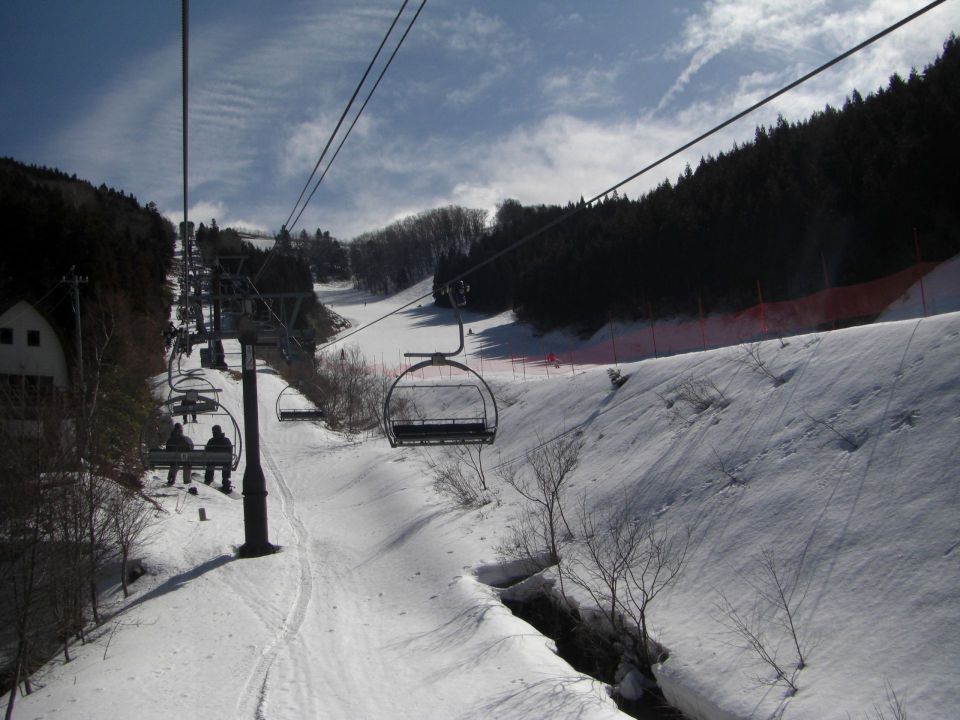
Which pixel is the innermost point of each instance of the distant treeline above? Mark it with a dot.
(834, 199)
(407, 251)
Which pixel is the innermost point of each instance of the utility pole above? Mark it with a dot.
(255, 543)
(74, 281)
(185, 64)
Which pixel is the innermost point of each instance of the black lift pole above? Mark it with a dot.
(254, 483)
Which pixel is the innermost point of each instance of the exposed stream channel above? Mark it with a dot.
(587, 651)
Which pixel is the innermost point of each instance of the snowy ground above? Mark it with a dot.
(373, 609)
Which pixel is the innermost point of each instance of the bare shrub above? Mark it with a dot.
(699, 394)
(340, 383)
(459, 475)
(846, 437)
(724, 467)
(750, 355)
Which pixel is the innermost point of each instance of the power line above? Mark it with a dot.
(599, 196)
(343, 117)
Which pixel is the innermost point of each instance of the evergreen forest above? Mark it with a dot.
(55, 222)
(845, 196)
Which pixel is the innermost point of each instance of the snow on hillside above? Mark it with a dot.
(841, 461)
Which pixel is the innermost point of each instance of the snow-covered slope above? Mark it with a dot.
(844, 467)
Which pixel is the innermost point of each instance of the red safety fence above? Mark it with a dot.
(833, 307)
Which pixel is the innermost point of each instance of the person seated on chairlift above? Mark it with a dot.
(189, 399)
(218, 442)
(179, 442)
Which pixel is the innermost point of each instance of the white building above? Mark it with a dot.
(31, 352)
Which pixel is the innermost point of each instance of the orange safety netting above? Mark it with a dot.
(827, 309)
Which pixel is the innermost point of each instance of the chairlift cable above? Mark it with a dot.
(599, 196)
(359, 112)
(343, 116)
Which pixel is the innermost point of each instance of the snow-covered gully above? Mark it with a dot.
(374, 606)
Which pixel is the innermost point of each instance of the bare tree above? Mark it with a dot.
(776, 592)
(624, 562)
(68, 572)
(542, 483)
(114, 401)
(895, 704)
(33, 465)
(130, 516)
(59, 453)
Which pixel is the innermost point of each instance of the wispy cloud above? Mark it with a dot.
(591, 88)
(799, 36)
(470, 93)
(474, 32)
(762, 26)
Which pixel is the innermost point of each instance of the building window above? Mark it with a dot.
(33, 338)
(6, 336)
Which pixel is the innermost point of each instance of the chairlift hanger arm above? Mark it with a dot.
(458, 297)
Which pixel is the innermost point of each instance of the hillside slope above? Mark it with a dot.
(844, 467)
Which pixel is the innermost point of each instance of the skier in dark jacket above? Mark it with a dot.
(178, 441)
(219, 442)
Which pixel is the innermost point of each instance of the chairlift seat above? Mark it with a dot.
(304, 414)
(160, 458)
(432, 432)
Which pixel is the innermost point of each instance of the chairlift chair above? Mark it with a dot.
(154, 433)
(438, 411)
(191, 403)
(292, 406)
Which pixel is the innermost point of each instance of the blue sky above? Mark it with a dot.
(534, 100)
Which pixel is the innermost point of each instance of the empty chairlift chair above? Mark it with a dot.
(292, 405)
(435, 410)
